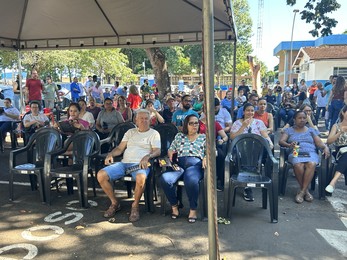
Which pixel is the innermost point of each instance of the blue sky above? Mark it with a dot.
(277, 26)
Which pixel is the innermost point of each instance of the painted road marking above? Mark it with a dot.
(337, 238)
(32, 250)
(29, 236)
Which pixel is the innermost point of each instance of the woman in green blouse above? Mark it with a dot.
(190, 147)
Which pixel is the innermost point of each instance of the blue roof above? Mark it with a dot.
(336, 39)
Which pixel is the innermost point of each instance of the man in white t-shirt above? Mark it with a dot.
(222, 116)
(138, 146)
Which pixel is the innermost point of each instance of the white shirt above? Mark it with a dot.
(321, 101)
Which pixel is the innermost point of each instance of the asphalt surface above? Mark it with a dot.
(316, 230)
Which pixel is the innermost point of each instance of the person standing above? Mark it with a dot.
(245, 88)
(134, 100)
(16, 90)
(278, 93)
(96, 93)
(337, 99)
(49, 89)
(75, 90)
(321, 102)
(33, 88)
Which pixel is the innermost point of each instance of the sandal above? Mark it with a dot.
(308, 197)
(299, 198)
(134, 214)
(192, 219)
(111, 211)
(173, 215)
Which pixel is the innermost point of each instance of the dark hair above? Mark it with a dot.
(185, 124)
(261, 99)
(297, 113)
(245, 107)
(339, 85)
(35, 102)
(108, 99)
(71, 105)
(184, 96)
(149, 102)
(302, 107)
(253, 95)
(9, 100)
(117, 83)
(342, 111)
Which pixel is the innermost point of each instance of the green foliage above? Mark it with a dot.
(177, 61)
(316, 13)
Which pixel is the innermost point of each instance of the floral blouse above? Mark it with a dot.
(255, 127)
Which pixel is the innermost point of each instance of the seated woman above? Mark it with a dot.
(73, 118)
(190, 147)
(304, 164)
(85, 115)
(155, 116)
(34, 120)
(338, 137)
(287, 107)
(248, 124)
(311, 121)
(264, 116)
(122, 108)
(108, 118)
(221, 146)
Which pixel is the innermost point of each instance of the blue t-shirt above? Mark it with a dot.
(328, 89)
(179, 116)
(226, 103)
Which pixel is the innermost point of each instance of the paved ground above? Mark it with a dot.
(315, 230)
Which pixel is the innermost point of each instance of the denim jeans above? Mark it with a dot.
(192, 173)
(286, 114)
(336, 106)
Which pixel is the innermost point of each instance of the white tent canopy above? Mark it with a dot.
(51, 24)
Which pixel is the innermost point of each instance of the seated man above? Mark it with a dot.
(139, 145)
(8, 114)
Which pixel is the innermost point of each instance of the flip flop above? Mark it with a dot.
(192, 220)
(224, 221)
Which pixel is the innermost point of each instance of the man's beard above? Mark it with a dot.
(187, 107)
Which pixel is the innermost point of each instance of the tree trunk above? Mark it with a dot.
(158, 62)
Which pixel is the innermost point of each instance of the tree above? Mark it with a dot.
(316, 13)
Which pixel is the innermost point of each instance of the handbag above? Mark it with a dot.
(341, 152)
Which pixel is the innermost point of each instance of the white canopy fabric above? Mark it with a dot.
(67, 24)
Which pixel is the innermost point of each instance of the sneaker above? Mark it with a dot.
(329, 189)
(248, 194)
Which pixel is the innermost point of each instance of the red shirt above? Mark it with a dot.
(35, 89)
(134, 101)
(217, 126)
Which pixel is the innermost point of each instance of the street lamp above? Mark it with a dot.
(291, 47)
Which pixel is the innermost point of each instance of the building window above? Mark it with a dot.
(340, 72)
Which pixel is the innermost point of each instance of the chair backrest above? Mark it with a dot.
(167, 132)
(247, 151)
(120, 130)
(44, 140)
(84, 144)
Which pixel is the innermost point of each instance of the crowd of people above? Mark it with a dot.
(297, 109)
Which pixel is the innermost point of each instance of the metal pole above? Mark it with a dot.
(208, 62)
(291, 47)
(234, 82)
(21, 97)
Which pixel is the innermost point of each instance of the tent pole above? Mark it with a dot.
(21, 98)
(208, 68)
(234, 82)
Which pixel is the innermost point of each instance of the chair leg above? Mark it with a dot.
(48, 188)
(273, 205)
(33, 181)
(93, 181)
(10, 184)
(41, 187)
(264, 195)
(202, 201)
(285, 177)
(80, 185)
(84, 186)
(129, 189)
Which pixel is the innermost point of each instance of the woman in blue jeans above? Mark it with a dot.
(190, 147)
(337, 99)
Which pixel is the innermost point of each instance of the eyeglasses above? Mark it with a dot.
(108, 103)
(193, 123)
(187, 101)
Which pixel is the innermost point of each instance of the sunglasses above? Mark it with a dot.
(193, 123)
